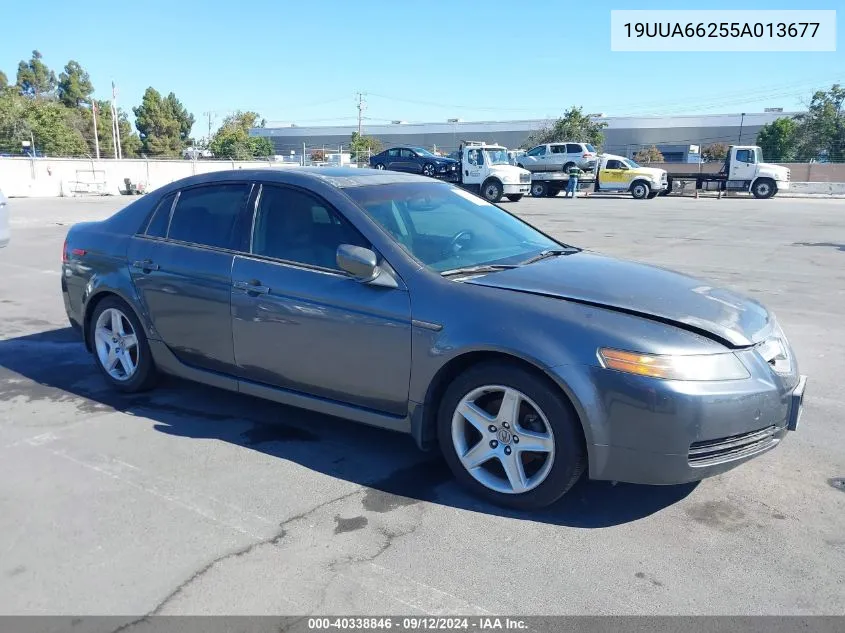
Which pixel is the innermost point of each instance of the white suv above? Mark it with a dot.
(4, 220)
(559, 157)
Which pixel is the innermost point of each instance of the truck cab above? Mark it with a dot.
(617, 173)
(486, 169)
(745, 170)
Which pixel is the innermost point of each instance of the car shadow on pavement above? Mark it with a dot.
(393, 470)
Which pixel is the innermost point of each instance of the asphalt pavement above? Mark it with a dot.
(189, 500)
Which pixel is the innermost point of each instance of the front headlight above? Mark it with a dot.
(671, 367)
(775, 351)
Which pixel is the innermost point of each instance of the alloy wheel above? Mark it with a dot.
(428, 170)
(117, 344)
(503, 439)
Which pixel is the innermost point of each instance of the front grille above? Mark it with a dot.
(727, 449)
(524, 177)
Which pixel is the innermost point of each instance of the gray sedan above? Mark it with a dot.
(412, 305)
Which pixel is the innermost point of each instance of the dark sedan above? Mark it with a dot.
(416, 160)
(409, 304)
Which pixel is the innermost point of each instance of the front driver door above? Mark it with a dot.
(743, 165)
(613, 176)
(301, 324)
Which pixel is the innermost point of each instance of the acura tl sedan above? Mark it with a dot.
(406, 303)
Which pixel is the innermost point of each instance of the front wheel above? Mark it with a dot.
(510, 436)
(492, 191)
(763, 188)
(514, 197)
(428, 170)
(640, 190)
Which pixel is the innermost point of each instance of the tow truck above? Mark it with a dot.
(487, 170)
(743, 170)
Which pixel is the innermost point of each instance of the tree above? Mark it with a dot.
(4, 81)
(130, 143)
(48, 122)
(822, 128)
(74, 85)
(362, 147)
(779, 139)
(715, 152)
(574, 126)
(649, 155)
(185, 119)
(34, 78)
(233, 141)
(160, 131)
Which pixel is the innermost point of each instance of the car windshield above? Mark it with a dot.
(590, 148)
(497, 156)
(422, 152)
(630, 163)
(444, 227)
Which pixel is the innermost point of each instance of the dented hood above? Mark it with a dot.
(640, 289)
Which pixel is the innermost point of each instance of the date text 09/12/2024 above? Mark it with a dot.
(423, 623)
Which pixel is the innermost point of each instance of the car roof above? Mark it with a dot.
(340, 177)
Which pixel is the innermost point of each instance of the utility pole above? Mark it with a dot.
(209, 115)
(361, 102)
(96, 136)
(741, 121)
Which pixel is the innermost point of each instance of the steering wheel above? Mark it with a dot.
(455, 245)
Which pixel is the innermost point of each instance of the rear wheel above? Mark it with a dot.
(514, 197)
(568, 165)
(491, 190)
(380, 166)
(120, 346)
(510, 436)
(539, 189)
(640, 190)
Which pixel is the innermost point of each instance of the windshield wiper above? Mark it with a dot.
(469, 270)
(552, 252)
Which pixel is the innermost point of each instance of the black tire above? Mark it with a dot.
(763, 188)
(539, 189)
(568, 165)
(640, 189)
(492, 190)
(429, 170)
(145, 375)
(668, 189)
(570, 456)
(514, 197)
(552, 191)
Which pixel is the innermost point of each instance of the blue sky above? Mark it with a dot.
(303, 62)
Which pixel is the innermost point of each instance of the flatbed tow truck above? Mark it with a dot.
(742, 171)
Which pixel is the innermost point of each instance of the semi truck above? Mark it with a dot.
(743, 170)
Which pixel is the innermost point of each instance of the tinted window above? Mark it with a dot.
(208, 215)
(573, 148)
(537, 151)
(393, 152)
(614, 164)
(298, 227)
(161, 218)
(406, 153)
(445, 227)
(558, 149)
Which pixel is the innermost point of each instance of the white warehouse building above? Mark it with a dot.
(679, 138)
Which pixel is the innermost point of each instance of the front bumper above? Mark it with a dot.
(660, 432)
(782, 185)
(522, 188)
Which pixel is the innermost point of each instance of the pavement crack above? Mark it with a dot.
(243, 551)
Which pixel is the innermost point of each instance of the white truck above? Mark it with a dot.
(743, 170)
(487, 170)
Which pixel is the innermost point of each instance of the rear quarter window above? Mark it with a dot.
(157, 226)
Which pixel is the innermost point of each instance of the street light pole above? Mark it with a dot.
(741, 121)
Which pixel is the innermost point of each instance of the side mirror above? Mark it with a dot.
(362, 264)
(358, 261)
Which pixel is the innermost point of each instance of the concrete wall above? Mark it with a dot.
(801, 172)
(50, 177)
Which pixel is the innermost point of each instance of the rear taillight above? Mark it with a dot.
(64, 252)
(587, 155)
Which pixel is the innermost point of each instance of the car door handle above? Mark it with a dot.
(147, 264)
(252, 287)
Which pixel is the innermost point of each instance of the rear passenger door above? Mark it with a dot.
(181, 266)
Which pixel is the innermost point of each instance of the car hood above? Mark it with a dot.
(779, 172)
(643, 290)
